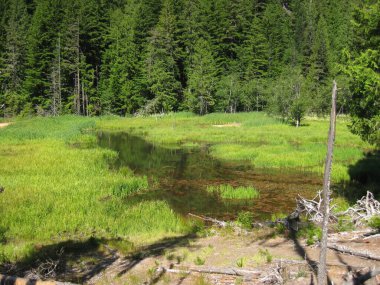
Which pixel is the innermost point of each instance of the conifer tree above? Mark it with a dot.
(12, 59)
(203, 74)
(161, 73)
(121, 69)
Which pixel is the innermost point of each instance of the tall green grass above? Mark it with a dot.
(56, 189)
(262, 140)
(230, 192)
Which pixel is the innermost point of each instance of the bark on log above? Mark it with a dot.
(12, 280)
(347, 250)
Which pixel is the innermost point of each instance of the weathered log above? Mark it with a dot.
(347, 250)
(212, 270)
(208, 219)
(12, 280)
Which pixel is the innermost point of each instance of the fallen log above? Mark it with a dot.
(12, 280)
(212, 270)
(222, 224)
(347, 250)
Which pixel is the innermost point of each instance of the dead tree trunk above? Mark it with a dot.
(322, 271)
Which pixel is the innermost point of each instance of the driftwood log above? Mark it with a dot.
(212, 270)
(347, 250)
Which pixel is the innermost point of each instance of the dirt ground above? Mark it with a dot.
(260, 256)
(3, 125)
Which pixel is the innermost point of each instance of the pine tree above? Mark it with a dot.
(42, 43)
(161, 74)
(12, 62)
(229, 93)
(319, 70)
(278, 29)
(254, 53)
(121, 68)
(363, 69)
(200, 95)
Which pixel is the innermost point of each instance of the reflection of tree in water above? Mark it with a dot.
(149, 159)
(184, 174)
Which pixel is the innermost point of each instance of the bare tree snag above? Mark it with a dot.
(322, 272)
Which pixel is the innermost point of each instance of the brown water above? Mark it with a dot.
(180, 176)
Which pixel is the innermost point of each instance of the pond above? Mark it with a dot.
(180, 176)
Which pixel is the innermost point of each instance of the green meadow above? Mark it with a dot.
(58, 184)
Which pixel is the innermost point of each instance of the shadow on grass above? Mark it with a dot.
(79, 261)
(364, 176)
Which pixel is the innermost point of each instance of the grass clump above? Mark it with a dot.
(199, 260)
(131, 186)
(241, 262)
(311, 233)
(245, 219)
(230, 192)
(263, 256)
(344, 224)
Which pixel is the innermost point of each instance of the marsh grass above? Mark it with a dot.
(58, 186)
(262, 140)
(237, 193)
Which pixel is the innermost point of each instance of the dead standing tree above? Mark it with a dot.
(322, 271)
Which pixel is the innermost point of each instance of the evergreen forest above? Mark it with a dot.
(96, 57)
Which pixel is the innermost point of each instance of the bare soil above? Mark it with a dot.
(227, 125)
(3, 125)
(258, 251)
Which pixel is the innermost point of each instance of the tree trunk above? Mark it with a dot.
(322, 271)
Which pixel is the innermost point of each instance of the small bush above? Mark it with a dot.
(245, 219)
(374, 222)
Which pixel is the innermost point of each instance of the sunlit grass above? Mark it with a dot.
(58, 186)
(230, 192)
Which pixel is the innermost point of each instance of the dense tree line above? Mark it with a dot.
(92, 57)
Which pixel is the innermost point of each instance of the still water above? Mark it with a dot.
(180, 176)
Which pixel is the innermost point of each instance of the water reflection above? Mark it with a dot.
(183, 175)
